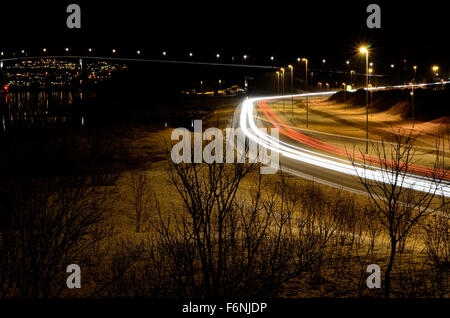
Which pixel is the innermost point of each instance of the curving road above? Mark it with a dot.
(303, 154)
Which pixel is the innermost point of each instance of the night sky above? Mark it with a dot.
(317, 29)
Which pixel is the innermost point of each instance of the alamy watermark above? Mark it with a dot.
(209, 146)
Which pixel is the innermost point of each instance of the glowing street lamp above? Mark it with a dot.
(306, 88)
(291, 68)
(278, 82)
(351, 76)
(412, 95)
(365, 50)
(435, 69)
(282, 83)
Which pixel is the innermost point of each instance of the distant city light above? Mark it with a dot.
(114, 50)
(392, 65)
(44, 50)
(23, 51)
(218, 55)
(67, 49)
(89, 49)
(138, 52)
(245, 56)
(272, 58)
(298, 59)
(190, 54)
(164, 53)
(347, 62)
(1, 53)
(371, 63)
(324, 61)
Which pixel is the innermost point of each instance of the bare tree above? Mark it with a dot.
(140, 187)
(399, 207)
(50, 228)
(437, 241)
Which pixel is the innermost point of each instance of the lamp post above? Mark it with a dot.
(306, 88)
(364, 50)
(282, 84)
(412, 95)
(435, 69)
(291, 68)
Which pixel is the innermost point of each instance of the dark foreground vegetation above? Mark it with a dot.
(227, 231)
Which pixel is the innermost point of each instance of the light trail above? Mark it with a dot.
(407, 180)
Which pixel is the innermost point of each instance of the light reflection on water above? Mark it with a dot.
(65, 108)
(40, 108)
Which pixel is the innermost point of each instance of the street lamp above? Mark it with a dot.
(435, 69)
(365, 50)
(306, 88)
(278, 82)
(291, 68)
(412, 94)
(282, 83)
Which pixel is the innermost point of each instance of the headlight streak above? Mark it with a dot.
(248, 126)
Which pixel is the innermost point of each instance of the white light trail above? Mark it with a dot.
(419, 183)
